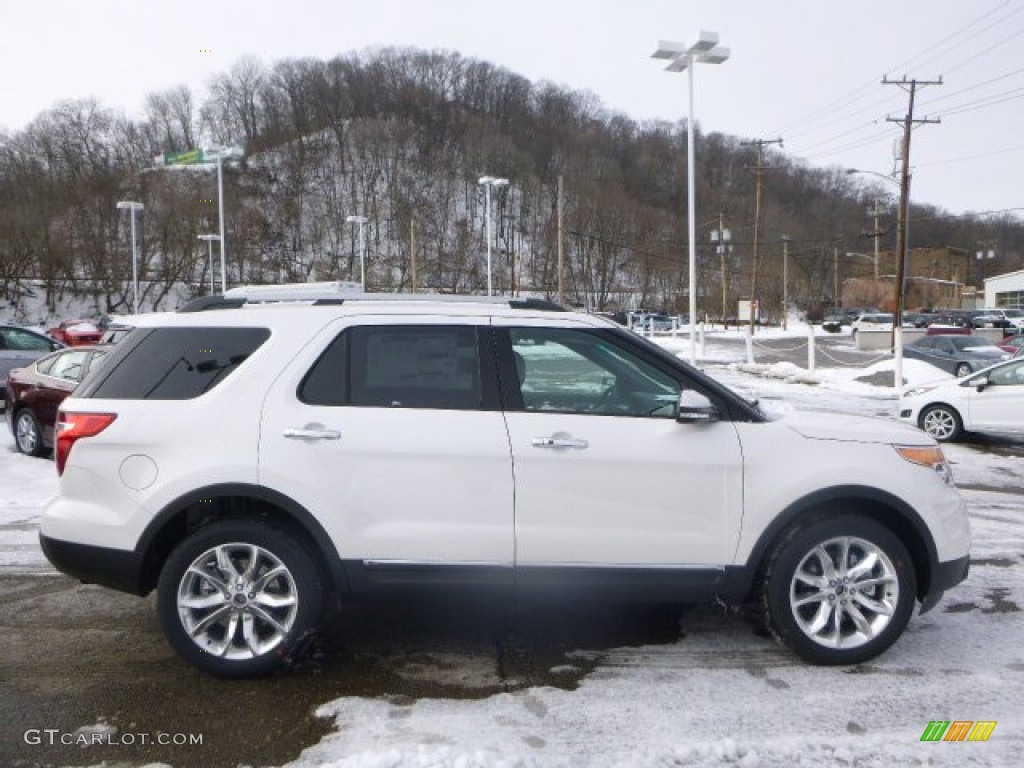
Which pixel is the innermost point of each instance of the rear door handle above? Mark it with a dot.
(559, 442)
(312, 434)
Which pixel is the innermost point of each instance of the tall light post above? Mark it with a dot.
(705, 50)
(133, 207)
(360, 220)
(488, 183)
(785, 279)
(209, 250)
(221, 154)
(722, 238)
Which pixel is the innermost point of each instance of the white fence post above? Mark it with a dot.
(750, 343)
(810, 346)
(700, 336)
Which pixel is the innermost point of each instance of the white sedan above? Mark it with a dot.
(991, 400)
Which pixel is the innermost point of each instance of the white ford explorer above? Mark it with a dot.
(254, 462)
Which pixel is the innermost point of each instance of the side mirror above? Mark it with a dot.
(695, 408)
(980, 383)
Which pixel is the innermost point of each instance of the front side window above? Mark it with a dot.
(1012, 375)
(575, 371)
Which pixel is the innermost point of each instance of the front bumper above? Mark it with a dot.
(944, 576)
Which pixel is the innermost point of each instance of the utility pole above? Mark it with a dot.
(876, 233)
(758, 171)
(908, 123)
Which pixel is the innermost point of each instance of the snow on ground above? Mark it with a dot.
(721, 695)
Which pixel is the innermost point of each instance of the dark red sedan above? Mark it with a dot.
(76, 333)
(35, 392)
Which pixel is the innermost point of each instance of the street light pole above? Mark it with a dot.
(487, 182)
(785, 279)
(360, 220)
(683, 57)
(209, 251)
(133, 207)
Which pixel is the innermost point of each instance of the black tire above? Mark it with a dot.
(942, 422)
(963, 369)
(28, 435)
(282, 601)
(872, 616)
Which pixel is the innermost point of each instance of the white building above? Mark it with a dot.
(1005, 290)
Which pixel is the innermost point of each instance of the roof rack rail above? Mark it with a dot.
(338, 292)
(333, 289)
(544, 304)
(205, 303)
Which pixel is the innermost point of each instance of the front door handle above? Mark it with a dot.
(312, 434)
(559, 442)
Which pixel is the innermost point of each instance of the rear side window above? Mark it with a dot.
(172, 363)
(398, 366)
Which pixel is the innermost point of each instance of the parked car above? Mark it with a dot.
(1012, 344)
(991, 400)
(75, 333)
(254, 463)
(919, 319)
(871, 321)
(35, 392)
(21, 346)
(957, 354)
(1016, 318)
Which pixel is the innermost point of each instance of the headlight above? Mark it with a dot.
(930, 456)
(917, 391)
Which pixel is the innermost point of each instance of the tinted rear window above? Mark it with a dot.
(172, 363)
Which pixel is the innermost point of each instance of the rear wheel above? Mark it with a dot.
(238, 598)
(942, 422)
(28, 435)
(963, 369)
(839, 590)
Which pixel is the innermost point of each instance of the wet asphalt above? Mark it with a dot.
(75, 656)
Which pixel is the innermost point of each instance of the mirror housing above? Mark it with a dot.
(695, 408)
(980, 383)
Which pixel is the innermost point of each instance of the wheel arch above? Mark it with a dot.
(229, 501)
(873, 503)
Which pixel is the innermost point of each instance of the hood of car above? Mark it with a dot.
(855, 429)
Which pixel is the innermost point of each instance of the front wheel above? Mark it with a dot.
(942, 422)
(963, 369)
(839, 590)
(237, 597)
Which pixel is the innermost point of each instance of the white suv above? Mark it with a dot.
(255, 462)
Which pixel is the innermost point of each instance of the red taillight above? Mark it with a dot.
(71, 427)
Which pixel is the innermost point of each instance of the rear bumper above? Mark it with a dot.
(944, 576)
(114, 568)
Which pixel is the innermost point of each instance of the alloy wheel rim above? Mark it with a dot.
(844, 593)
(939, 423)
(28, 438)
(237, 601)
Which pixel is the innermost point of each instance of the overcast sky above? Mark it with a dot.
(809, 71)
